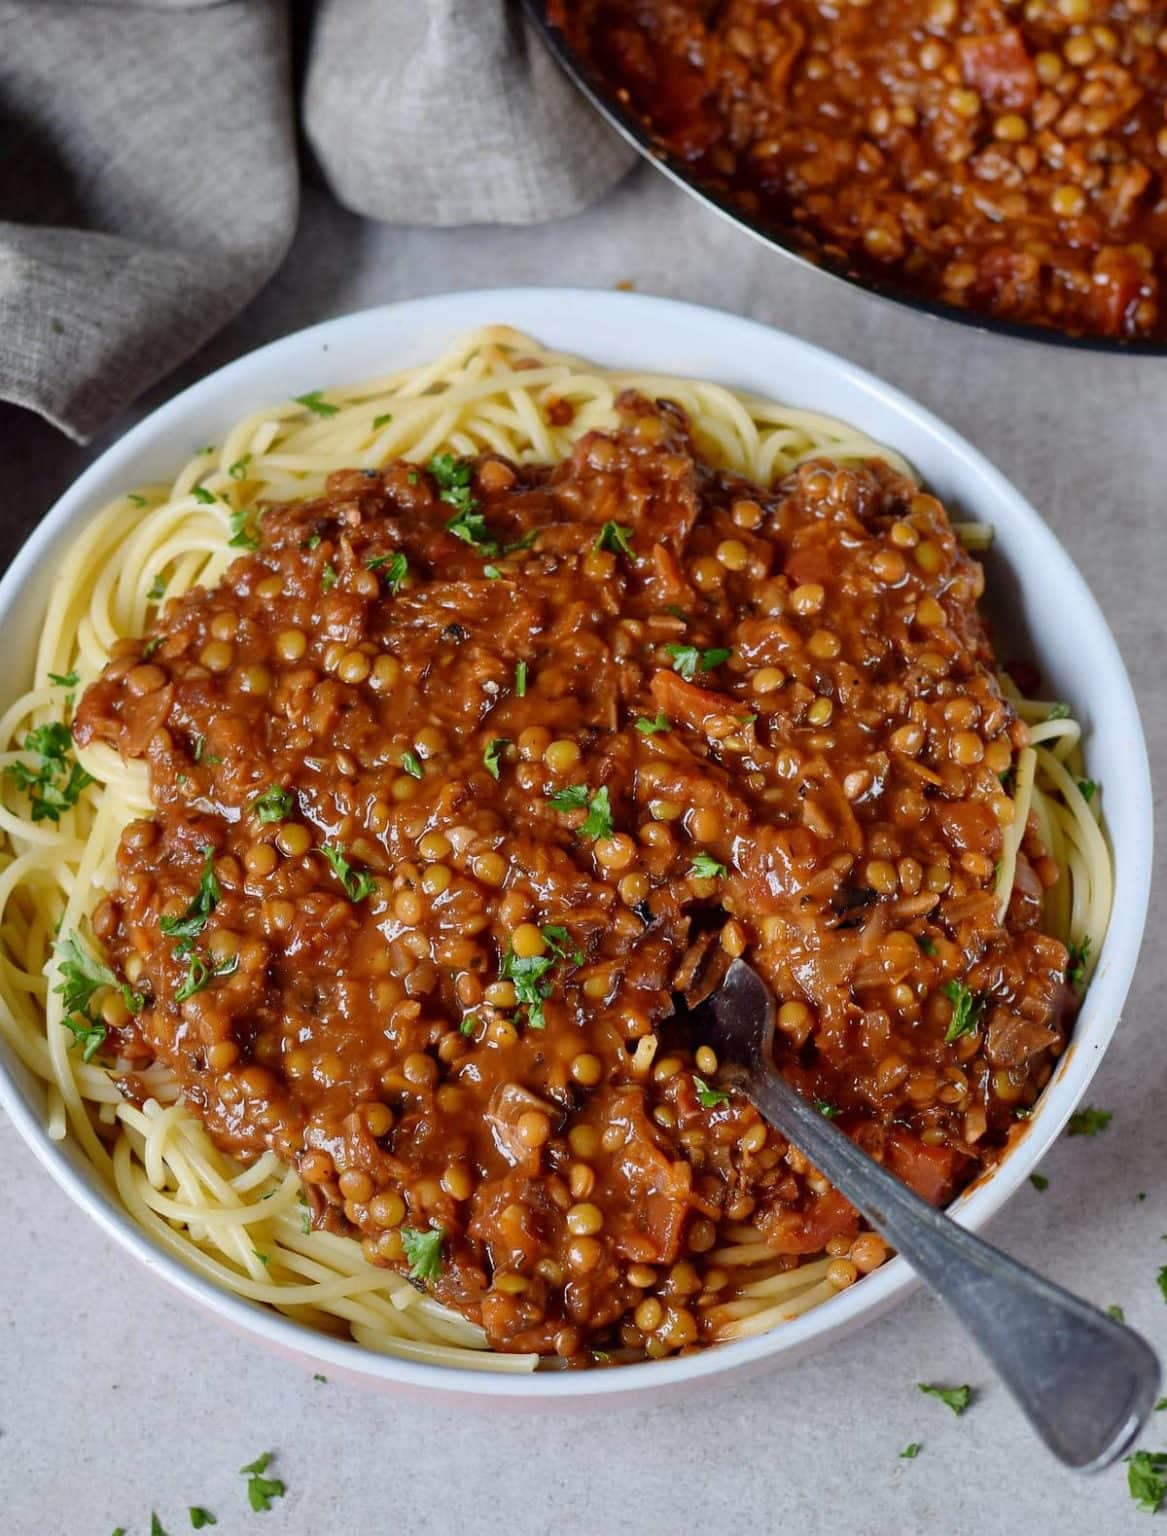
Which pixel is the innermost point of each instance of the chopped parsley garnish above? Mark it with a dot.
(1161, 1404)
(243, 535)
(558, 939)
(328, 577)
(1059, 711)
(262, 1490)
(706, 867)
(81, 975)
(521, 679)
(927, 947)
(315, 404)
(238, 470)
(198, 747)
(200, 1517)
(1117, 1313)
(707, 1097)
(382, 421)
(825, 1108)
(412, 764)
(492, 753)
(957, 1398)
(64, 679)
(615, 538)
(469, 1024)
(200, 974)
(574, 798)
(531, 991)
(1161, 1281)
(316, 1376)
(967, 1008)
(275, 804)
(192, 922)
(1089, 1121)
(1039, 1181)
(156, 1526)
(1145, 1479)
(157, 590)
(491, 572)
(648, 727)
(687, 659)
(313, 541)
(203, 496)
(358, 883)
(1076, 961)
(396, 569)
(454, 477)
(424, 1251)
(1087, 788)
(139, 501)
(526, 542)
(56, 780)
(150, 647)
(598, 822)
(910, 1452)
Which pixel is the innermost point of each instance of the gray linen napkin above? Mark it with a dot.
(148, 168)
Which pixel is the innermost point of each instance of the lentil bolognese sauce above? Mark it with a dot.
(461, 769)
(1005, 157)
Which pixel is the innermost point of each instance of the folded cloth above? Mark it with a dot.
(148, 167)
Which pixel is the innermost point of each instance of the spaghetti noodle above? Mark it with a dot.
(247, 1228)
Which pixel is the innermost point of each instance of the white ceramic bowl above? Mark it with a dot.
(1047, 598)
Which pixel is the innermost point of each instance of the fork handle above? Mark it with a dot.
(1085, 1381)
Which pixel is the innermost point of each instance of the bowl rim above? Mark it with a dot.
(633, 132)
(542, 309)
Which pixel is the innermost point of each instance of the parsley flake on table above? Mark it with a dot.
(1117, 1313)
(1039, 1181)
(687, 659)
(967, 1008)
(200, 1518)
(261, 1490)
(648, 727)
(706, 867)
(1145, 1479)
(910, 1452)
(1161, 1404)
(156, 1526)
(424, 1251)
(316, 404)
(615, 538)
(275, 804)
(957, 1398)
(492, 755)
(1089, 1121)
(707, 1097)
(54, 781)
(357, 883)
(1161, 1281)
